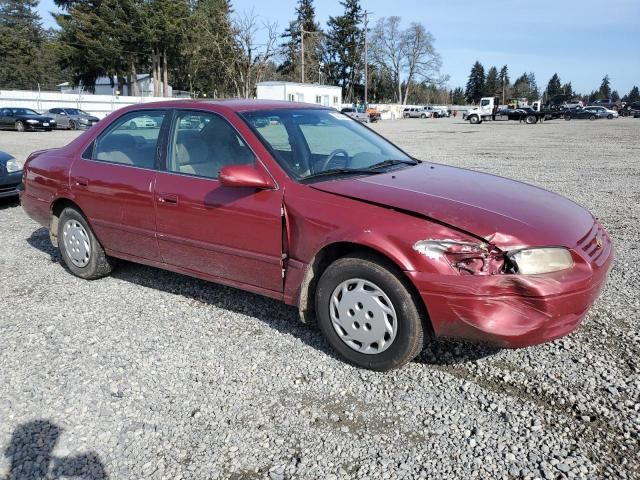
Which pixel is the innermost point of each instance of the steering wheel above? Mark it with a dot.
(332, 155)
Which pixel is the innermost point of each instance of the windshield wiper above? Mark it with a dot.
(340, 171)
(391, 163)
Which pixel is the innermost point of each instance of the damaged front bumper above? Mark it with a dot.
(513, 310)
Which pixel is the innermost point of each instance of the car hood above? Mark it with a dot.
(506, 213)
(91, 118)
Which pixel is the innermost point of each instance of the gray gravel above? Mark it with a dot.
(150, 374)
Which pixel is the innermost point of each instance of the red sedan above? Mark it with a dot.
(305, 205)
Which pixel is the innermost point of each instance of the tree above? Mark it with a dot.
(422, 61)
(492, 85)
(303, 31)
(252, 59)
(554, 87)
(567, 89)
(475, 84)
(457, 96)
(633, 95)
(344, 48)
(503, 77)
(615, 96)
(525, 87)
(21, 40)
(386, 47)
(605, 88)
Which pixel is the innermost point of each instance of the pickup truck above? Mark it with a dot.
(356, 114)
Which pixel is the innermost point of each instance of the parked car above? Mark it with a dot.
(72, 118)
(144, 121)
(10, 176)
(603, 112)
(22, 119)
(415, 112)
(437, 111)
(606, 103)
(586, 113)
(356, 114)
(317, 210)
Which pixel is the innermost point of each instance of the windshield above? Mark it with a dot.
(24, 111)
(75, 111)
(310, 143)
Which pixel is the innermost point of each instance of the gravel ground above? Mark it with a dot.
(150, 374)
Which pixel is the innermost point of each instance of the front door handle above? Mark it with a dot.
(169, 199)
(82, 182)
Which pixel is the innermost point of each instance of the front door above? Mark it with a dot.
(223, 232)
(114, 185)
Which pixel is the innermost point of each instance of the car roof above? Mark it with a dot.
(234, 105)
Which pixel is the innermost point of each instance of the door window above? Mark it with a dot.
(203, 142)
(131, 140)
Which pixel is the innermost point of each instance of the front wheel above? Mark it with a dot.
(20, 126)
(474, 119)
(531, 119)
(610, 117)
(72, 125)
(80, 249)
(367, 313)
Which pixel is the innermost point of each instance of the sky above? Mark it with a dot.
(581, 40)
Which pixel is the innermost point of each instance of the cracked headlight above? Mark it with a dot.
(12, 166)
(533, 261)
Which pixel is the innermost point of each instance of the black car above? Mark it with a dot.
(631, 109)
(22, 119)
(10, 176)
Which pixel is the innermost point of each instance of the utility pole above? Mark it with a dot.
(366, 59)
(302, 50)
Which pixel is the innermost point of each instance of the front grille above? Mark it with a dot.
(596, 244)
(8, 188)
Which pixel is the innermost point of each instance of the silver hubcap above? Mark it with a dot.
(363, 316)
(76, 243)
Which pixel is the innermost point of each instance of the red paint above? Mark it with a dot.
(255, 223)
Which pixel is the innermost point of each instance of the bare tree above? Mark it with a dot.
(421, 60)
(387, 51)
(252, 59)
(408, 55)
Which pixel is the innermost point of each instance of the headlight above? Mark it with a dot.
(534, 261)
(33, 121)
(84, 120)
(12, 166)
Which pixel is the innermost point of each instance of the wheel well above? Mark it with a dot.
(56, 210)
(329, 254)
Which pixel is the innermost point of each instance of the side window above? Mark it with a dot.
(202, 143)
(131, 140)
(484, 103)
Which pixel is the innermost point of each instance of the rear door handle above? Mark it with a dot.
(168, 199)
(82, 182)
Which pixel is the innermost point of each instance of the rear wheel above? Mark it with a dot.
(80, 249)
(367, 313)
(20, 126)
(610, 116)
(592, 117)
(474, 119)
(423, 116)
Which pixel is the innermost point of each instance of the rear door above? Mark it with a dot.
(229, 233)
(6, 119)
(114, 184)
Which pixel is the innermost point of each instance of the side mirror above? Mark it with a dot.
(63, 113)
(246, 176)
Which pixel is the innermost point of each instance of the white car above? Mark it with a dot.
(141, 122)
(603, 112)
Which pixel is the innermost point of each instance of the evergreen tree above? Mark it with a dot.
(292, 48)
(534, 92)
(633, 95)
(605, 88)
(567, 89)
(457, 96)
(503, 78)
(475, 84)
(21, 39)
(344, 48)
(554, 87)
(492, 85)
(615, 96)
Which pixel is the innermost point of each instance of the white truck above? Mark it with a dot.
(488, 110)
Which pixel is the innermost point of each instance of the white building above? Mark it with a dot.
(327, 95)
(103, 86)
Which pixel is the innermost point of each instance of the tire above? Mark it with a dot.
(567, 117)
(72, 125)
(20, 126)
(474, 119)
(592, 117)
(423, 116)
(89, 262)
(610, 117)
(374, 284)
(531, 119)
